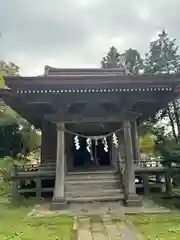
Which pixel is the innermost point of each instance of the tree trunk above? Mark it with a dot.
(176, 118)
(172, 123)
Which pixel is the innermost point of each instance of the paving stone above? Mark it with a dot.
(128, 234)
(100, 236)
(106, 218)
(84, 234)
(112, 232)
(4, 200)
(117, 217)
(104, 228)
(84, 222)
(96, 219)
(98, 227)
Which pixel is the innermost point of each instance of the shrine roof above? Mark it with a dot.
(52, 92)
(53, 71)
(91, 78)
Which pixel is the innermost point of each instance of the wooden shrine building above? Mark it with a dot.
(88, 120)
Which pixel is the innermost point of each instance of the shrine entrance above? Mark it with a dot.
(96, 156)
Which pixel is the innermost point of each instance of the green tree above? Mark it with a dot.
(112, 59)
(16, 134)
(163, 58)
(9, 68)
(147, 144)
(133, 61)
(130, 60)
(7, 115)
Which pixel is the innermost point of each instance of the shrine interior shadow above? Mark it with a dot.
(82, 158)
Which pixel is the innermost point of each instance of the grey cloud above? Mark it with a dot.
(63, 29)
(42, 27)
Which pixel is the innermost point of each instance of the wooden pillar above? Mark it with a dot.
(168, 181)
(48, 143)
(59, 196)
(147, 189)
(114, 156)
(15, 183)
(135, 143)
(130, 196)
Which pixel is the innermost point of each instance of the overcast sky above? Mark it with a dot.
(78, 33)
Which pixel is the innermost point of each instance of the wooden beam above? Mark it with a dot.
(71, 118)
(147, 101)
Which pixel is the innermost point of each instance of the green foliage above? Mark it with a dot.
(145, 128)
(163, 58)
(163, 55)
(9, 68)
(7, 115)
(112, 59)
(169, 150)
(133, 60)
(16, 225)
(16, 236)
(14, 141)
(10, 139)
(2, 81)
(158, 226)
(147, 144)
(31, 140)
(6, 165)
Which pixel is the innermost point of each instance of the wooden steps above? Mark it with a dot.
(94, 186)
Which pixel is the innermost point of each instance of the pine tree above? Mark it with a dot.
(163, 58)
(133, 61)
(112, 59)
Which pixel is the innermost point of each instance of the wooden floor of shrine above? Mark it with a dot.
(93, 183)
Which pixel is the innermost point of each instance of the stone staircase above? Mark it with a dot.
(93, 186)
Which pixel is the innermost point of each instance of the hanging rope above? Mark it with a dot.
(89, 139)
(93, 137)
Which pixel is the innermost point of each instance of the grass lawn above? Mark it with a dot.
(165, 226)
(14, 225)
(159, 226)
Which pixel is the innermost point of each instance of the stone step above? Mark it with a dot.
(113, 198)
(92, 172)
(93, 193)
(91, 188)
(95, 187)
(86, 184)
(91, 181)
(92, 177)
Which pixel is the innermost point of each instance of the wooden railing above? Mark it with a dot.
(18, 169)
(22, 176)
(150, 175)
(154, 163)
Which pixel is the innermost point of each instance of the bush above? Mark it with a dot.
(6, 165)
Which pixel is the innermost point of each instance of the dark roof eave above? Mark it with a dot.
(5, 91)
(98, 79)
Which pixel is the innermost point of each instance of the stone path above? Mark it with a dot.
(101, 221)
(103, 227)
(89, 209)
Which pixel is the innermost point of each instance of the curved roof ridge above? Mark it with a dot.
(49, 71)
